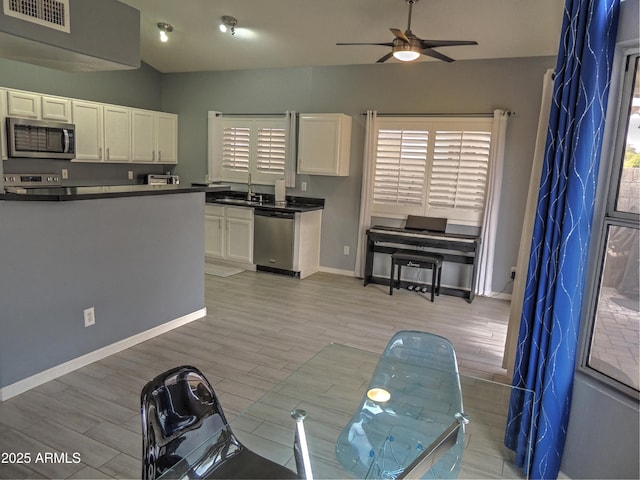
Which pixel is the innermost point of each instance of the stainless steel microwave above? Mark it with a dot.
(37, 139)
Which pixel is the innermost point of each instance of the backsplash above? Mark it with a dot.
(80, 174)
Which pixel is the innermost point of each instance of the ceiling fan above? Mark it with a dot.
(407, 47)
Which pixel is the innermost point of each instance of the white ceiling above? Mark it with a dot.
(287, 33)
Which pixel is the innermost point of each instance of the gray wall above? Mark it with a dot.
(60, 258)
(119, 255)
(426, 87)
(103, 34)
(139, 88)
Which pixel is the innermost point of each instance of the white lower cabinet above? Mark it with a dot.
(229, 237)
(229, 233)
(306, 243)
(239, 245)
(214, 231)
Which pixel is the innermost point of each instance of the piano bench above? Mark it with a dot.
(427, 260)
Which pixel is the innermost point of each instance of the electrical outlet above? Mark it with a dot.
(89, 316)
(65, 174)
(130, 174)
(303, 186)
(346, 249)
(513, 273)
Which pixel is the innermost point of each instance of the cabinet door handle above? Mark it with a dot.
(159, 155)
(153, 155)
(108, 153)
(99, 153)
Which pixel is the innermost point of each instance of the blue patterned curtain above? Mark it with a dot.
(546, 356)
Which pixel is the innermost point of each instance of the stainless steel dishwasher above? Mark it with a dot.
(273, 236)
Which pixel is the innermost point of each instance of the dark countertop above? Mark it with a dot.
(92, 192)
(239, 199)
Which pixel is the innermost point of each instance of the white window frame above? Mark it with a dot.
(471, 216)
(607, 214)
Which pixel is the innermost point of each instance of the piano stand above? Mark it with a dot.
(455, 248)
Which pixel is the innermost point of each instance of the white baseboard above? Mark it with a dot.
(229, 263)
(498, 295)
(337, 271)
(52, 373)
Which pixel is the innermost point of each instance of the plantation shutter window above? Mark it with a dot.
(253, 146)
(430, 167)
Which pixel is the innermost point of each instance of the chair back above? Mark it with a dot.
(180, 411)
(422, 399)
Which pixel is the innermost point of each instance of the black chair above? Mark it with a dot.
(185, 433)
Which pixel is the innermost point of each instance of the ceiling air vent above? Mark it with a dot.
(48, 13)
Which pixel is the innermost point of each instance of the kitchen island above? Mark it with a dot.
(133, 254)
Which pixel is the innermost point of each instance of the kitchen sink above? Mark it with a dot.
(239, 201)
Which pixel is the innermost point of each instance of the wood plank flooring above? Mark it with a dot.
(259, 328)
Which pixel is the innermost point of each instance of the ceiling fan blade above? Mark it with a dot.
(400, 34)
(386, 44)
(385, 58)
(432, 53)
(445, 43)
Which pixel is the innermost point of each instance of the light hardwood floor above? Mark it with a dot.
(259, 328)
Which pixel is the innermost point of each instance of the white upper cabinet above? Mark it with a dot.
(154, 137)
(38, 107)
(324, 144)
(88, 119)
(117, 134)
(167, 137)
(142, 136)
(57, 109)
(104, 132)
(23, 104)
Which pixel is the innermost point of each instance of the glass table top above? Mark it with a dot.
(352, 436)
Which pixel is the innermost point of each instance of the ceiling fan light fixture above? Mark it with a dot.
(406, 53)
(165, 29)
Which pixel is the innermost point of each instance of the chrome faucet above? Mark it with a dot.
(249, 192)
